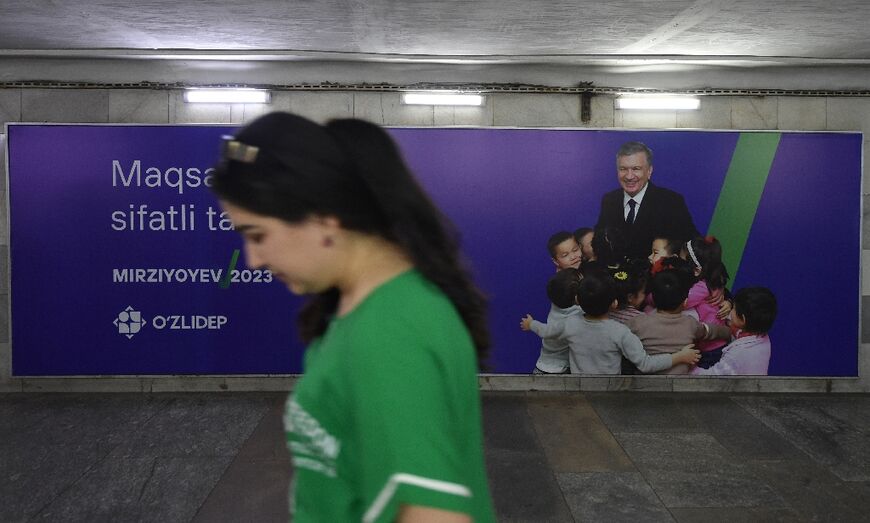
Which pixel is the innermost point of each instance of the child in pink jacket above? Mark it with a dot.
(705, 254)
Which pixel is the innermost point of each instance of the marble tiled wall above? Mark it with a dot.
(526, 110)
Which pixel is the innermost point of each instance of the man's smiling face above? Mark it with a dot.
(634, 172)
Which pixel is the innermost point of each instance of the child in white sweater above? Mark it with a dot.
(749, 353)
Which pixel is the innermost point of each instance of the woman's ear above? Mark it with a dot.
(329, 227)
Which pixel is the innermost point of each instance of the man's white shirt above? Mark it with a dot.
(638, 198)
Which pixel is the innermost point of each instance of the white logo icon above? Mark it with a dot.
(129, 322)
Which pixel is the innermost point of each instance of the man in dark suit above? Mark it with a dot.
(640, 210)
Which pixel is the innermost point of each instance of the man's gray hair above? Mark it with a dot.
(629, 148)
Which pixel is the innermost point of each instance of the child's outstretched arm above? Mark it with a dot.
(688, 355)
(715, 332)
(716, 297)
(526, 322)
(724, 310)
(544, 330)
(633, 350)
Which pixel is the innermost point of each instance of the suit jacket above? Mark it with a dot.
(663, 213)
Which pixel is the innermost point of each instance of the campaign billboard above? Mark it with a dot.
(122, 262)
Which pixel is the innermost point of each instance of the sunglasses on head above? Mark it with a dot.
(232, 149)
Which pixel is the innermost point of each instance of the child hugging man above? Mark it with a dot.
(749, 354)
(596, 343)
(665, 330)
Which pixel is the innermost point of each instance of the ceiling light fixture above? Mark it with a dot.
(658, 103)
(442, 98)
(227, 96)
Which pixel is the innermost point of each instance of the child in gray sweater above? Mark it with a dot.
(562, 291)
(596, 343)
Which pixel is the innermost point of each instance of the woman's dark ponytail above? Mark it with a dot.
(412, 221)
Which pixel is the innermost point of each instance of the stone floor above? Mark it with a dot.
(551, 457)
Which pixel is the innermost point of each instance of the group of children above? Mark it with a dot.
(668, 314)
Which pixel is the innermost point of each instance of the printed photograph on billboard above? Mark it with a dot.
(123, 263)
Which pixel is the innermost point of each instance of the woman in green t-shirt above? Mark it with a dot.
(385, 423)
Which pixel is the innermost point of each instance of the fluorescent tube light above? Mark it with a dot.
(442, 99)
(664, 102)
(227, 96)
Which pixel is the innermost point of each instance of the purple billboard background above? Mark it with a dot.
(805, 245)
(63, 253)
(507, 190)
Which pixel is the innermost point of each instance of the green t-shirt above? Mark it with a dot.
(388, 412)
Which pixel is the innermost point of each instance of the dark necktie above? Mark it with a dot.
(630, 218)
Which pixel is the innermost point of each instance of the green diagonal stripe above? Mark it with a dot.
(740, 195)
(225, 284)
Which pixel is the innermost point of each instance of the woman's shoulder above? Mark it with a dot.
(407, 295)
(409, 309)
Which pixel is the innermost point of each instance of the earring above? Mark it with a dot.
(327, 241)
